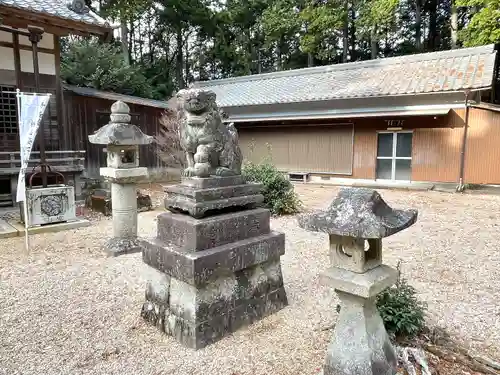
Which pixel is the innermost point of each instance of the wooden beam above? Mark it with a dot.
(17, 61)
(61, 121)
(26, 48)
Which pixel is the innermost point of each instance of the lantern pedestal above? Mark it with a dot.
(122, 140)
(124, 209)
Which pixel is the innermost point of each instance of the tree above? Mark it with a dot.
(126, 11)
(281, 25)
(376, 18)
(454, 24)
(167, 141)
(324, 22)
(484, 26)
(102, 66)
(170, 43)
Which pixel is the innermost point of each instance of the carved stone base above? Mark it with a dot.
(360, 343)
(201, 315)
(199, 197)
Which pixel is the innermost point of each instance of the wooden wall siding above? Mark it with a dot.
(436, 154)
(365, 153)
(318, 149)
(86, 114)
(482, 157)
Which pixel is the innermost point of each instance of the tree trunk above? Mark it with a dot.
(432, 35)
(373, 44)
(186, 61)
(345, 39)
(280, 53)
(310, 60)
(353, 33)
(132, 45)
(124, 41)
(418, 24)
(454, 25)
(179, 61)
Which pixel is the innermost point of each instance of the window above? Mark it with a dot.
(8, 110)
(394, 156)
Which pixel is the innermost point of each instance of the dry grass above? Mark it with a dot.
(67, 309)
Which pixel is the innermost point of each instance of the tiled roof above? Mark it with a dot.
(454, 70)
(57, 8)
(86, 91)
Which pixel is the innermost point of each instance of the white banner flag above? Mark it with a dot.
(31, 110)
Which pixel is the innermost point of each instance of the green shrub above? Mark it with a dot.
(278, 192)
(402, 312)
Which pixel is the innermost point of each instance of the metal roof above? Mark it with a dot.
(58, 8)
(435, 72)
(86, 91)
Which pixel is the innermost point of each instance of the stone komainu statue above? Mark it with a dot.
(211, 147)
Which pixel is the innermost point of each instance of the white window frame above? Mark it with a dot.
(394, 157)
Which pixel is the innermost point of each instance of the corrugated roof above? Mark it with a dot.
(455, 70)
(86, 91)
(57, 8)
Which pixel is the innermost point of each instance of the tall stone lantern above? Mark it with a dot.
(122, 140)
(356, 222)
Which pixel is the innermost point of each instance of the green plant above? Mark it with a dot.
(101, 66)
(278, 192)
(402, 312)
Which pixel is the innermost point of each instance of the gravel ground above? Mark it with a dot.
(68, 309)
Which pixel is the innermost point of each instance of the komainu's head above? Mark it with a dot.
(196, 100)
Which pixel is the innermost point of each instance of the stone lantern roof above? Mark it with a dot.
(359, 213)
(120, 131)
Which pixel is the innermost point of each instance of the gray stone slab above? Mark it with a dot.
(200, 209)
(52, 228)
(199, 267)
(366, 285)
(190, 234)
(216, 193)
(212, 182)
(7, 230)
(122, 246)
(359, 213)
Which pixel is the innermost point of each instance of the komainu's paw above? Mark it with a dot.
(223, 172)
(202, 170)
(188, 172)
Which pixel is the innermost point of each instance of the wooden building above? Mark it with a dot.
(30, 33)
(401, 120)
(88, 109)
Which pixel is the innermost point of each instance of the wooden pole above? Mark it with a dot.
(35, 37)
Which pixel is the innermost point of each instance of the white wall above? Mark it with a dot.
(7, 59)
(46, 61)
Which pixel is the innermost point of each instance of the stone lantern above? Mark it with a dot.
(122, 140)
(356, 222)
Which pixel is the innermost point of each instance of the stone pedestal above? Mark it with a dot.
(356, 221)
(216, 262)
(360, 343)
